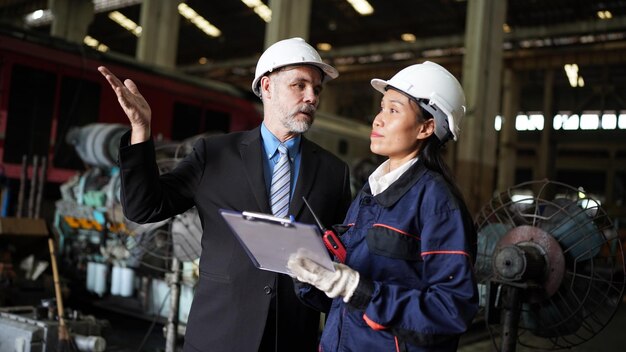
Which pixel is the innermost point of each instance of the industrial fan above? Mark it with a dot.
(550, 266)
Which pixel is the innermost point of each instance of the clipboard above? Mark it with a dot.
(269, 241)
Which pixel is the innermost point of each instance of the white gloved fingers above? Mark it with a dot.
(345, 282)
(342, 282)
(306, 270)
(294, 264)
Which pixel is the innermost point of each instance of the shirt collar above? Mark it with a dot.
(270, 143)
(379, 180)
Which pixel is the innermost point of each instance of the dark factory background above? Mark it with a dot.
(542, 146)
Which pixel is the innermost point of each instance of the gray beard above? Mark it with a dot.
(299, 126)
(296, 126)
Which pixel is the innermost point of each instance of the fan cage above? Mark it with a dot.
(592, 286)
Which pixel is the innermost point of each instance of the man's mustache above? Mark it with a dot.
(307, 109)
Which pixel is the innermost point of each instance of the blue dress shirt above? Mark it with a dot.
(270, 146)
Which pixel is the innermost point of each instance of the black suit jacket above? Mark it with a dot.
(232, 297)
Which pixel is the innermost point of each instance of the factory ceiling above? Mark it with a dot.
(538, 33)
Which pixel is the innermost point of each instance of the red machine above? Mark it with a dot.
(48, 86)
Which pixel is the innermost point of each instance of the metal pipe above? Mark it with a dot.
(33, 187)
(20, 194)
(512, 311)
(89, 343)
(172, 319)
(43, 175)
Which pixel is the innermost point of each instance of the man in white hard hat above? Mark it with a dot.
(236, 306)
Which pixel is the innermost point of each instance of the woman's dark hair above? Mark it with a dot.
(430, 154)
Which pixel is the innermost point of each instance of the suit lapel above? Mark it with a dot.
(309, 161)
(251, 150)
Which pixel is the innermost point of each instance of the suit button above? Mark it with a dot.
(267, 289)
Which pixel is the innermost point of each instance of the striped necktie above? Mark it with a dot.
(279, 190)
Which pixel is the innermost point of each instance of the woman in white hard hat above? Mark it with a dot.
(407, 283)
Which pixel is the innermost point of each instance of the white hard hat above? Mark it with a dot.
(440, 91)
(292, 51)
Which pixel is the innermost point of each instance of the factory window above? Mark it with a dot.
(609, 121)
(565, 121)
(622, 121)
(589, 122)
(29, 115)
(190, 120)
(186, 121)
(216, 121)
(530, 122)
(592, 120)
(78, 106)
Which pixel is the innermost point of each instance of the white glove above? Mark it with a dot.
(342, 282)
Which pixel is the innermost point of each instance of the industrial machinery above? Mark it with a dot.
(550, 266)
(35, 329)
(129, 267)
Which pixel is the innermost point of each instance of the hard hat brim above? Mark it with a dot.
(379, 84)
(329, 72)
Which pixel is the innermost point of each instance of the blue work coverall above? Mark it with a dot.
(413, 246)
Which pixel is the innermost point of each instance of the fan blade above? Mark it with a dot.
(488, 237)
(576, 232)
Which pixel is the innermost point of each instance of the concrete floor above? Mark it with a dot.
(128, 333)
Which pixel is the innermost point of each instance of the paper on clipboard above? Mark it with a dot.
(270, 241)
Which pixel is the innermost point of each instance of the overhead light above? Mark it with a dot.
(324, 46)
(125, 22)
(90, 41)
(44, 17)
(107, 5)
(408, 37)
(575, 80)
(260, 9)
(362, 7)
(506, 28)
(35, 15)
(38, 18)
(203, 60)
(198, 20)
(94, 43)
(402, 55)
(604, 14)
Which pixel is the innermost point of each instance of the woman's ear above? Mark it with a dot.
(426, 129)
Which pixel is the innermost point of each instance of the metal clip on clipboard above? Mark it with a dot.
(287, 222)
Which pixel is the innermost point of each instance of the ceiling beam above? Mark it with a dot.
(581, 28)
